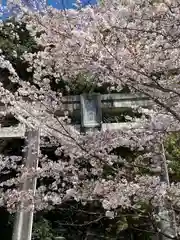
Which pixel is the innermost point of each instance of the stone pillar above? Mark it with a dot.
(24, 219)
(167, 216)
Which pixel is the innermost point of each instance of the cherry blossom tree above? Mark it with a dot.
(122, 43)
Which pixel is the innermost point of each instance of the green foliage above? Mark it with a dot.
(14, 37)
(42, 230)
(15, 40)
(85, 84)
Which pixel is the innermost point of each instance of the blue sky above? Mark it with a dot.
(61, 4)
(68, 3)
